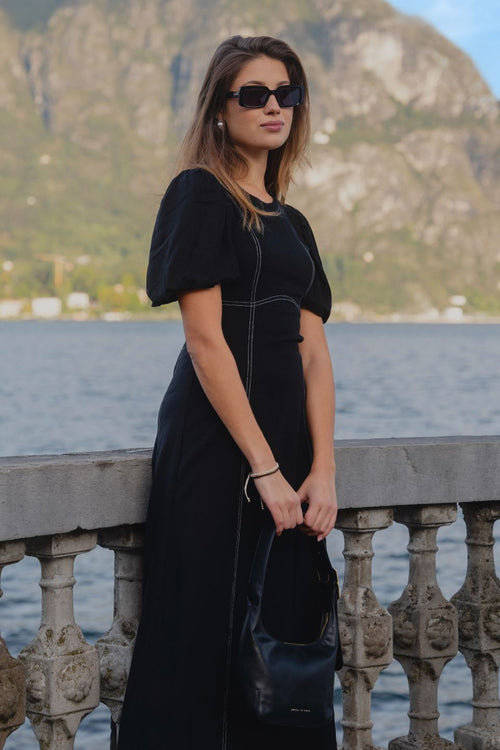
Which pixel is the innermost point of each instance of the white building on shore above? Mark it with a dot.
(46, 307)
(11, 308)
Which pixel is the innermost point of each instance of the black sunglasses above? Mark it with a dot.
(257, 96)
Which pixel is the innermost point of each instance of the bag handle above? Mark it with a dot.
(261, 559)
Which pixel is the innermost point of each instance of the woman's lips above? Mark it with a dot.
(273, 126)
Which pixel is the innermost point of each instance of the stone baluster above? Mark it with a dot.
(425, 626)
(115, 647)
(62, 669)
(12, 679)
(478, 605)
(365, 626)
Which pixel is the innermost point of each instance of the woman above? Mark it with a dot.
(252, 389)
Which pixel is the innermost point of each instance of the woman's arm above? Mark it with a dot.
(318, 489)
(218, 374)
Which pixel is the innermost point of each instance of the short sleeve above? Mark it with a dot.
(192, 245)
(318, 297)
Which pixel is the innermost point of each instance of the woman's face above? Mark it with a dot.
(261, 129)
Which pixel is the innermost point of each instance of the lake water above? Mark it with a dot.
(69, 387)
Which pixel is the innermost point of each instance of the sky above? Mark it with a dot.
(473, 25)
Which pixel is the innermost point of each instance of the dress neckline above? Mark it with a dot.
(266, 205)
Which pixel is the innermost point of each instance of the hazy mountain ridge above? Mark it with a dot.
(404, 187)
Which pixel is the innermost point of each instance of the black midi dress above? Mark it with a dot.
(183, 691)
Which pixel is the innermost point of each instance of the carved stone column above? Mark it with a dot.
(12, 680)
(365, 626)
(62, 669)
(116, 646)
(425, 626)
(478, 605)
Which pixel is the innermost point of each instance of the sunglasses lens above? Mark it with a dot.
(289, 96)
(253, 96)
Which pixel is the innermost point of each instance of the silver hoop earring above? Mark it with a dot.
(220, 124)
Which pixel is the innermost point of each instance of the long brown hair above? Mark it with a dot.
(208, 146)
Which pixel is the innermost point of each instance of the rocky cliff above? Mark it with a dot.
(404, 184)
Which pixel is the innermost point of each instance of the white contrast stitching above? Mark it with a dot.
(248, 385)
(257, 303)
(307, 251)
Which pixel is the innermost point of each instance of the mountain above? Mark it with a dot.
(403, 189)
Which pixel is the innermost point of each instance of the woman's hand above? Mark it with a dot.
(318, 491)
(281, 500)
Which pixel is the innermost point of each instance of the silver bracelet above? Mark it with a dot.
(257, 475)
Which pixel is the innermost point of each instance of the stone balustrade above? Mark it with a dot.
(57, 507)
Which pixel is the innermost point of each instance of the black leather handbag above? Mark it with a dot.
(289, 684)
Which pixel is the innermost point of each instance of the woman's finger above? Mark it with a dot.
(286, 517)
(321, 520)
(327, 528)
(294, 512)
(278, 521)
(328, 522)
(312, 515)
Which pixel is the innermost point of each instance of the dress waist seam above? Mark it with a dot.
(264, 301)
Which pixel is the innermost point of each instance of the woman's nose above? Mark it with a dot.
(272, 104)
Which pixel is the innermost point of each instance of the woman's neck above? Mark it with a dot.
(253, 179)
(258, 191)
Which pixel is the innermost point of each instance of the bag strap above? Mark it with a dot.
(260, 560)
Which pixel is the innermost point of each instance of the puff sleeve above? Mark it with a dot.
(192, 245)
(318, 297)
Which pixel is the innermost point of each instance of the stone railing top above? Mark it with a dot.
(42, 495)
